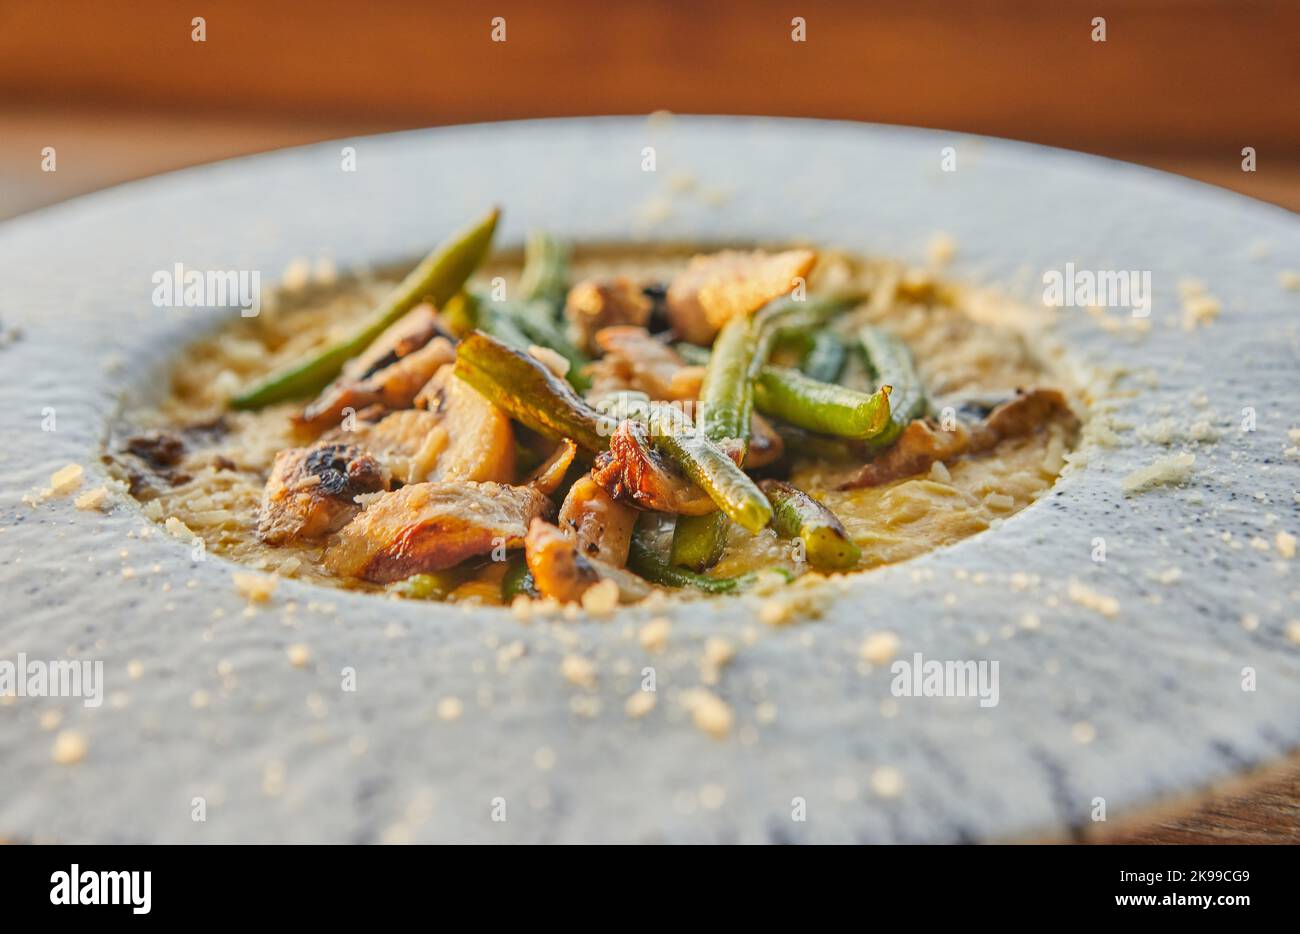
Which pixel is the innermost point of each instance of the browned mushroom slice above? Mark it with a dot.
(550, 473)
(561, 572)
(633, 359)
(409, 443)
(1027, 412)
(311, 491)
(391, 371)
(601, 303)
(479, 443)
(600, 526)
(432, 526)
(634, 472)
(924, 441)
(716, 287)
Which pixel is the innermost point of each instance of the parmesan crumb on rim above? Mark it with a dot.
(1174, 469)
(710, 713)
(255, 588)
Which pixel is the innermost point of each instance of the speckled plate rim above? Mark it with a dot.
(1126, 709)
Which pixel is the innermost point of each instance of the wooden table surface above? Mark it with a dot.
(122, 91)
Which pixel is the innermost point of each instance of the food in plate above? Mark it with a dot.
(600, 425)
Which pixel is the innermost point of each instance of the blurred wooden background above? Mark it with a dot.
(121, 91)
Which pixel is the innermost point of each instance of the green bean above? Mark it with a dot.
(642, 559)
(437, 279)
(710, 468)
(461, 313)
(692, 354)
(530, 393)
(545, 275)
(698, 541)
(518, 579)
(503, 327)
(726, 405)
(803, 443)
(891, 364)
(433, 585)
(789, 315)
(822, 407)
(796, 514)
(533, 320)
(534, 317)
(825, 358)
(726, 399)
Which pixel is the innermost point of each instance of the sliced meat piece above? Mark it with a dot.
(921, 444)
(390, 372)
(600, 526)
(635, 360)
(716, 287)
(550, 473)
(634, 472)
(432, 526)
(409, 443)
(407, 334)
(311, 491)
(594, 304)
(1026, 413)
(480, 445)
(924, 441)
(561, 572)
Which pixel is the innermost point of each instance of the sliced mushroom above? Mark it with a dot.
(634, 360)
(550, 473)
(311, 491)
(716, 287)
(594, 304)
(634, 472)
(560, 571)
(409, 443)
(480, 445)
(432, 526)
(600, 526)
(391, 371)
(924, 441)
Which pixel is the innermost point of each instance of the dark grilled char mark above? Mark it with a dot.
(345, 470)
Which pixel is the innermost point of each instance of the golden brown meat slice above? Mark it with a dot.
(560, 571)
(924, 441)
(716, 287)
(389, 372)
(462, 436)
(432, 526)
(409, 443)
(479, 444)
(634, 360)
(634, 472)
(600, 526)
(311, 491)
(594, 304)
